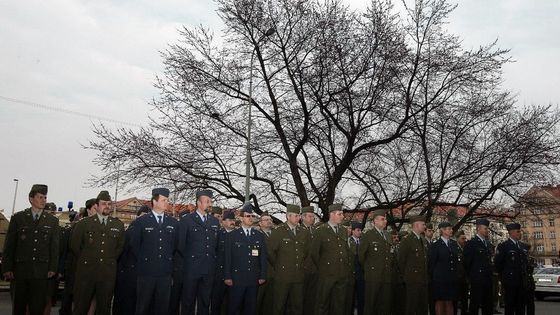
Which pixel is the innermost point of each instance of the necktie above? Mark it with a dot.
(103, 221)
(336, 229)
(294, 231)
(159, 219)
(204, 218)
(247, 232)
(358, 241)
(35, 217)
(383, 235)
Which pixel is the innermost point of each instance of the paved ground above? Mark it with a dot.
(550, 306)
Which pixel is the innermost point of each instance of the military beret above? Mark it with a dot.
(444, 224)
(335, 207)
(357, 225)
(160, 192)
(417, 218)
(217, 210)
(229, 215)
(247, 208)
(482, 221)
(307, 209)
(265, 214)
(90, 203)
(459, 233)
(379, 213)
(143, 209)
(39, 188)
(104, 195)
(50, 206)
(205, 192)
(430, 226)
(292, 209)
(513, 226)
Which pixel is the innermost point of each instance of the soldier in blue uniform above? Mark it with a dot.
(153, 242)
(478, 267)
(177, 279)
(219, 290)
(124, 301)
(198, 237)
(359, 280)
(511, 263)
(442, 267)
(245, 264)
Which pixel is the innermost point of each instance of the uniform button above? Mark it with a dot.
(102, 243)
(103, 234)
(160, 239)
(159, 256)
(101, 259)
(35, 231)
(34, 249)
(35, 240)
(160, 247)
(248, 269)
(33, 258)
(160, 231)
(102, 251)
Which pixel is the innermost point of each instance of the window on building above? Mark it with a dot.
(540, 248)
(552, 234)
(538, 235)
(553, 248)
(537, 223)
(537, 211)
(551, 222)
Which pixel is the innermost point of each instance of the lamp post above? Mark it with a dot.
(116, 188)
(15, 196)
(269, 32)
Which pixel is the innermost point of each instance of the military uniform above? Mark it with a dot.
(245, 264)
(332, 256)
(287, 253)
(264, 291)
(463, 285)
(478, 266)
(531, 264)
(198, 239)
(177, 279)
(31, 251)
(511, 264)
(154, 239)
(377, 256)
(219, 289)
(97, 247)
(310, 271)
(357, 299)
(125, 286)
(413, 263)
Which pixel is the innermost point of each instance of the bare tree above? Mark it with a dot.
(368, 108)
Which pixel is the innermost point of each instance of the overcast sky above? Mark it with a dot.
(100, 58)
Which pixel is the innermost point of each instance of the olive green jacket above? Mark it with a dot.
(31, 248)
(97, 247)
(287, 252)
(377, 256)
(330, 252)
(413, 259)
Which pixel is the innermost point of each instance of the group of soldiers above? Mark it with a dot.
(214, 262)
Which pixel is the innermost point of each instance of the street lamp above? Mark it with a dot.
(116, 187)
(15, 196)
(269, 32)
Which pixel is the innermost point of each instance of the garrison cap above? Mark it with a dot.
(357, 225)
(430, 226)
(90, 203)
(482, 221)
(160, 192)
(144, 209)
(247, 208)
(229, 215)
(292, 209)
(335, 207)
(444, 224)
(459, 233)
(205, 192)
(104, 195)
(513, 226)
(417, 218)
(307, 209)
(379, 213)
(40, 188)
(217, 210)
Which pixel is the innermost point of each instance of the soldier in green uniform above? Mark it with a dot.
(287, 250)
(413, 263)
(377, 256)
(97, 242)
(218, 213)
(31, 253)
(331, 254)
(310, 270)
(264, 292)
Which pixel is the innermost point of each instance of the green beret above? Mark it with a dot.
(39, 188)
(346, 223)
(335, 207)
(217, 210)
(104, 195)
(417, 218)
(307, 209)
(292, 209)
(379, 213)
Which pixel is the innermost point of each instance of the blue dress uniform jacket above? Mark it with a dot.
(153, 245)
(443, 269)
(245, 261)
(125, 288)
(219, 288)
(478, 267)
(511, 263)
(197, 245)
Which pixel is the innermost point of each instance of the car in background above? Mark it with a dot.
(547, 282)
